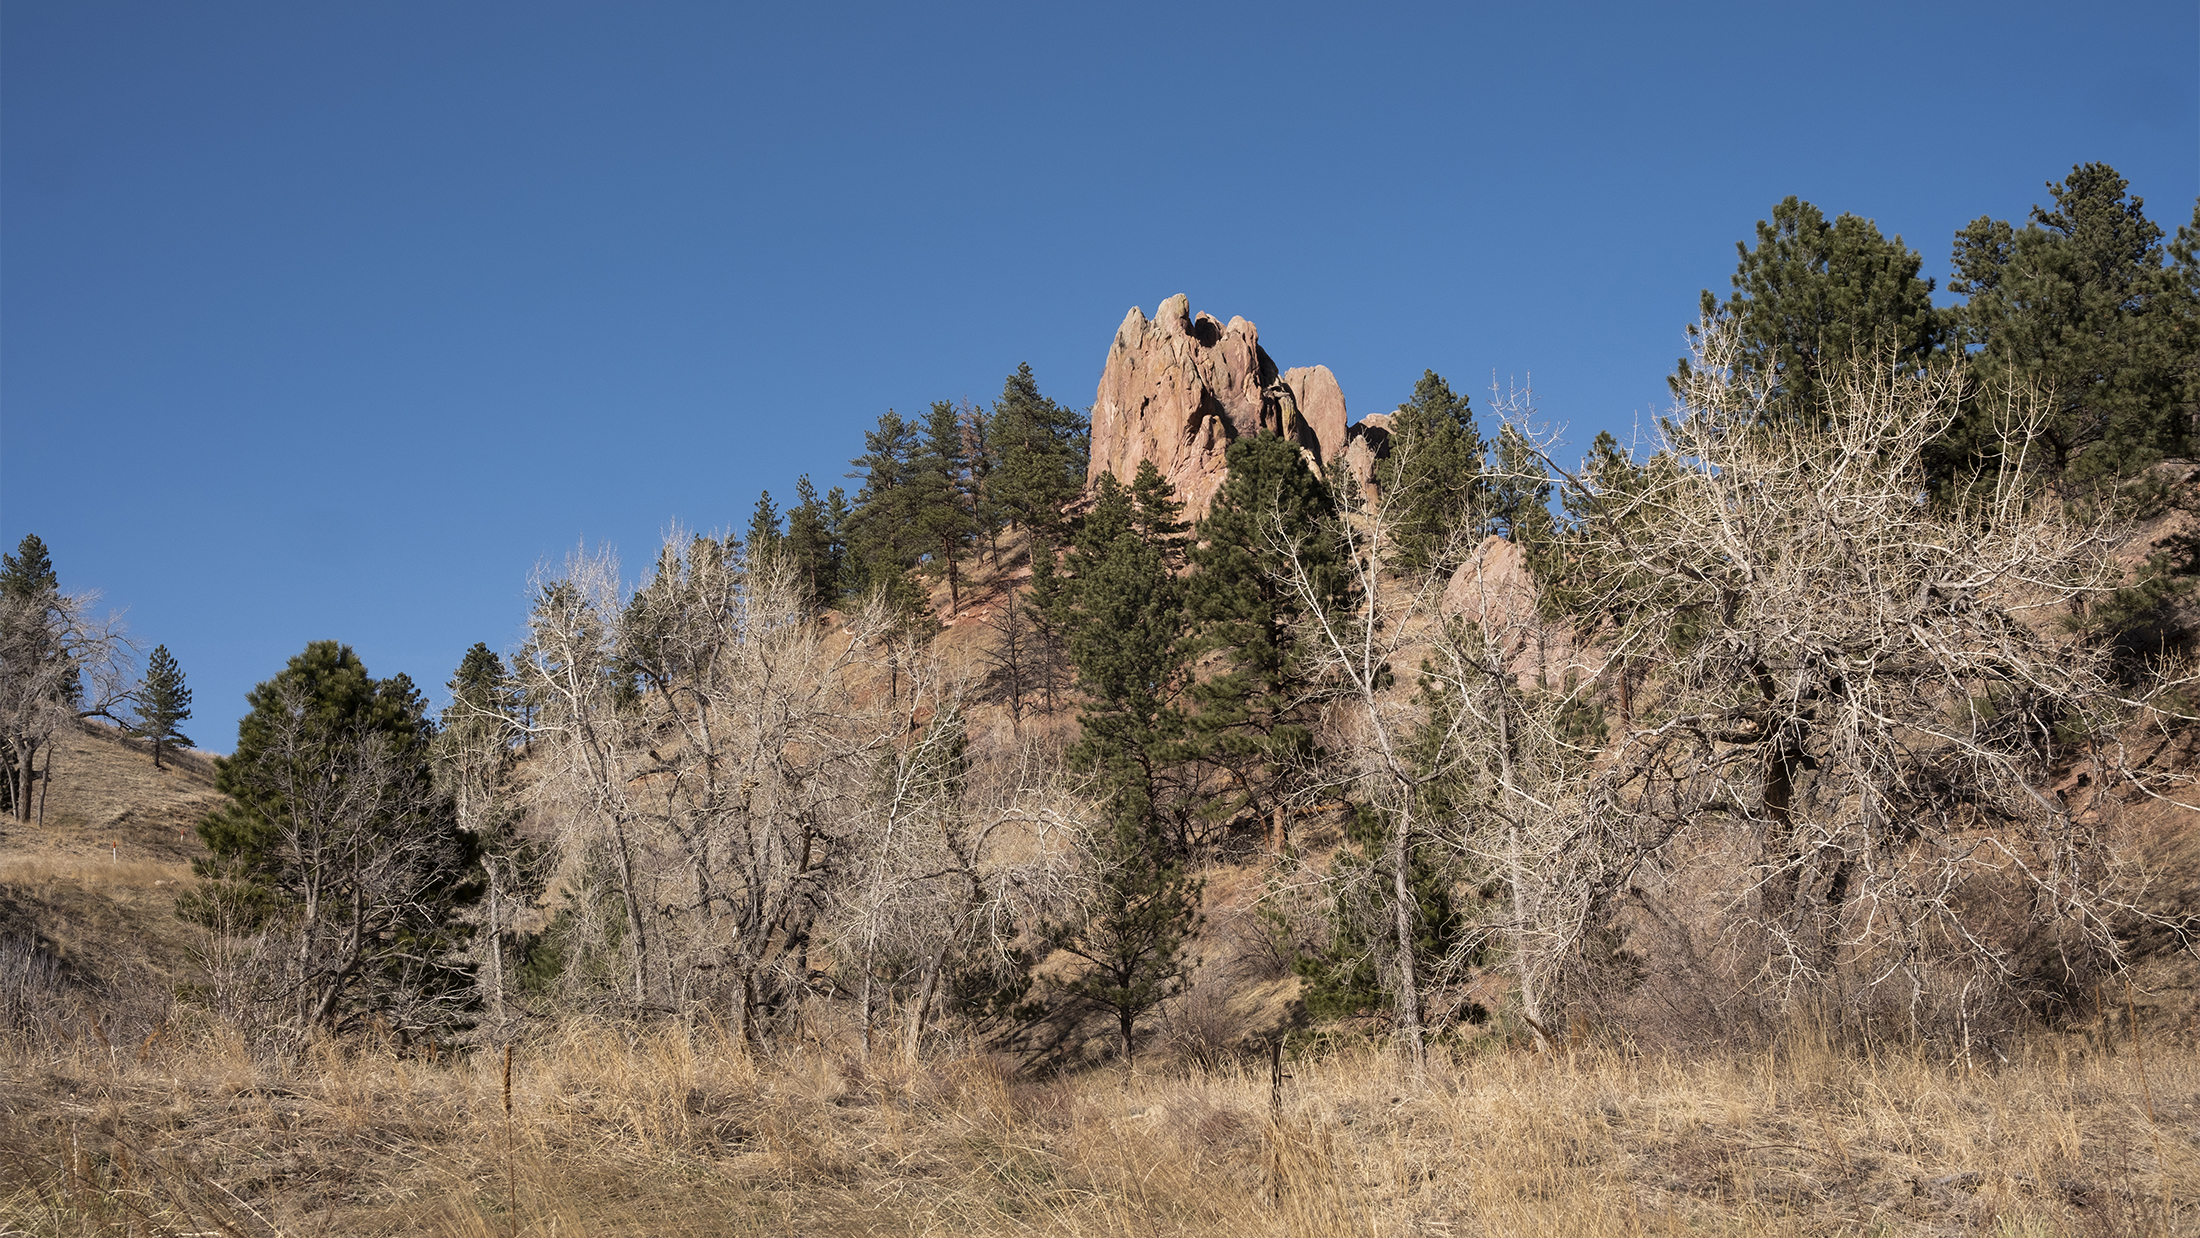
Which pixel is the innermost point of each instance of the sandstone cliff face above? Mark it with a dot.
(1177, 389)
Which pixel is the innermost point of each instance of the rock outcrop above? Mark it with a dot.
(1366, 443)
(1495, 590)
(1177, 389)
(1321, 404)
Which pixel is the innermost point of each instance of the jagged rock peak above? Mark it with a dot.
(1179, 387)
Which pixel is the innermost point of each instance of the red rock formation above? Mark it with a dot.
(1321, 404)
(1177, 389)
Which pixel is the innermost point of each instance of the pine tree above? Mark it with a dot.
(1041, 450)
(1126, 628)
(941, 498)
(1348, 978)
(986, 515)
(1049, 604)
(475, 756)
(1814, 296)
(2084, 304)
(1432, 477)
(1126, 639)
(814, 546)
(39, 674)
(30, 585)
(28, 573)
(763, 541)
(1132, 934)
(163, 700)
(884, 539)
(1519, 491)
(1253, 716)
(1156, 516)
(335, 835)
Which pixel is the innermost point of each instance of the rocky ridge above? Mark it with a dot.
(1179, 387)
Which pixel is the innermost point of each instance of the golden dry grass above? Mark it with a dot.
(667, 1133)
(106, 798)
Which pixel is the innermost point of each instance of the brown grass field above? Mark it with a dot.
(661, 1132)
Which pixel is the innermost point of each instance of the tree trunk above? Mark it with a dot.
(496, 942)
(1516, 876)
(26, 768)
(634, 923)
(920, 1009)
(1409, 978)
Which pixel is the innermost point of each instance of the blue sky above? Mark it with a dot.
(333, 320)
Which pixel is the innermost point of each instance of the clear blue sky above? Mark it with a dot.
(333, 320)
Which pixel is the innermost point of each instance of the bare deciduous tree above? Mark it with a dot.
(1385, 759)
(963, 852)
(59, 662)
(1874, 688)
(711, 742)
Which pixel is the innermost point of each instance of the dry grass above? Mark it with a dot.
(665, 1133)
(106, 799)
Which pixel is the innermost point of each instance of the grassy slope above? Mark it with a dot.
(92, 890)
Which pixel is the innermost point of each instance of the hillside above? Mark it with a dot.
(87, 899)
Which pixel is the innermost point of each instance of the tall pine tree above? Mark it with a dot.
(1252, 717)
(162, 701)
(813, 544)
(1126, 637)
(2085, 305)
(335, 836)
(1814, 296)
(37, 672)
(1040, 450)
(1431, 478)
(884, 539)
(942, 501)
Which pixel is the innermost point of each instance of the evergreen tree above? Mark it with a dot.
(163, 700)
(1252, 717)
(1126, 629)
(884, 538)
(2082, 304)
(987, 518)
(1432, 477)
(1812, 297)
(38, 675)
(813, 544)
(28, 573)
(31, 587)
(1156, 516)
(763, 541)
(840, 532)
(941, 500)
(1132, 934)
(1049, 606)
(335, 837)
(1519, 491)
(1125, 637)
(1347, 978)
(1041, 449)
(475, 757)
